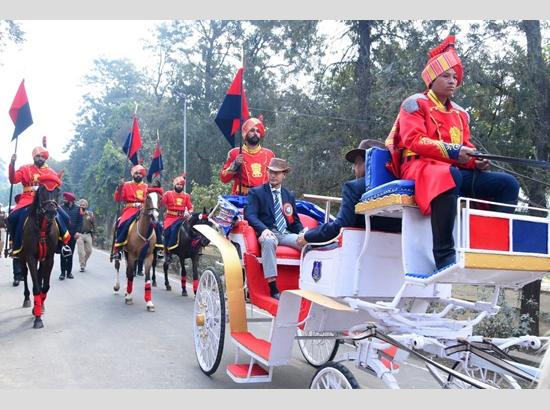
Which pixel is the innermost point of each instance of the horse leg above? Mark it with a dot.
(116, 286)
(45, 272)
(148, 294)
(26, 292)
(130, 267)
(165, 267)
(195, 266)
(153, 266)
(37, 309)
(183, 275)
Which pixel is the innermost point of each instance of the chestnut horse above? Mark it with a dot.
(140, 246)
(40, 238)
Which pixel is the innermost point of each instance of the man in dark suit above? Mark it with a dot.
(271, 211)
(351, 195)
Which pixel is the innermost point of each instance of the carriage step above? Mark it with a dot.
(250, 344)
(239, 372)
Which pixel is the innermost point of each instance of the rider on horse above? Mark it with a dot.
(28, 175)
(251, 164)
(179, 207)
(157, 225)
(133, 194)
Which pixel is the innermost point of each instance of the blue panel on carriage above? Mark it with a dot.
(239, 201)
(399, 187)
(376, 172)
(529, 237)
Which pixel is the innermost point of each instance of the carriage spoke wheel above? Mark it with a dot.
(490, 377)
(209, 322)
(333, 375)
(317, 352)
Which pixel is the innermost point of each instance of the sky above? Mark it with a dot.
(53, 60)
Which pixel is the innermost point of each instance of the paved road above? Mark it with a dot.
(91, 339)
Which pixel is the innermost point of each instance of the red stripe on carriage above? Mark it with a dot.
(241, 370)
(259, 346)
(489, 233)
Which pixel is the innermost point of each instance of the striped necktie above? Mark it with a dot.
(279, 218)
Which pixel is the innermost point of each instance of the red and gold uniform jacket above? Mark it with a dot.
(253, 170)
(134, 195)
(176, 205)
(425, 140)
(28, 175)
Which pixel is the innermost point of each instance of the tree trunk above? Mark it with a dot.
(363, 74)
(539, 86)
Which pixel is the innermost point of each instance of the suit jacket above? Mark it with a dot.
(260, 214)
(351, 195)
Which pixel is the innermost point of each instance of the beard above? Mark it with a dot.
(39, 163)
(253, 140)
(138, 178)
(179, 190)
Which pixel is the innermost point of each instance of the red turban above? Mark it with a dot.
(442, 58)
(39, 150)
(179, 181)
(69, 196)
(140, 169)
(251, 123)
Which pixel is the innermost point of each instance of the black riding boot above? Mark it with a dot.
(443, 219)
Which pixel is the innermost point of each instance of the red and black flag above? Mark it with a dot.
(20, 111)
(133, 143)
(230, 117)
(156, 163)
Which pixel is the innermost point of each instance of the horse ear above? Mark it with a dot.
(204, 210)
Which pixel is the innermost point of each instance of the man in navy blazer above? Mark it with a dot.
(271, 211)
(351, 195)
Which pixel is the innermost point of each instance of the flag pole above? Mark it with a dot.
(240, 191)
(119, 187)
(9, 202)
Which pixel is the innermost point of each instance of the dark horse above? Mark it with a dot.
(40, 238)
(190, 244)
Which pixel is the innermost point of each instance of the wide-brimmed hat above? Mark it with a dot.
(362, 148)
(278, 165)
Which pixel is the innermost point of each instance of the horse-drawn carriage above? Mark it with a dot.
(374, 290)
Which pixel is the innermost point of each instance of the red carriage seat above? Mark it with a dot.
(288, 266)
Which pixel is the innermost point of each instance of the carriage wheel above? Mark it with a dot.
(209, 323)
(490, 377)
(334, 375)
(317, 352)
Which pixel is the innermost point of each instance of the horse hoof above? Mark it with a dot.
(128, 300)
(27, 303)
(38, 324)
(168, 287)
(184, 292)
(116, 288)
(151, 308)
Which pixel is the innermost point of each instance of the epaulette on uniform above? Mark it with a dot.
(411, 103)
(459, 108)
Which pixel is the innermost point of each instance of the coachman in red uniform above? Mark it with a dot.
(133, 194)
(178, 208)
(251, 164)
(28, 176)
(430, 144)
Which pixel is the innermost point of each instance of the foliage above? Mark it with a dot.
(206, 196)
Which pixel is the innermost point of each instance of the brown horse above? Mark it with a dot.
(140, 246)
(40, 237)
